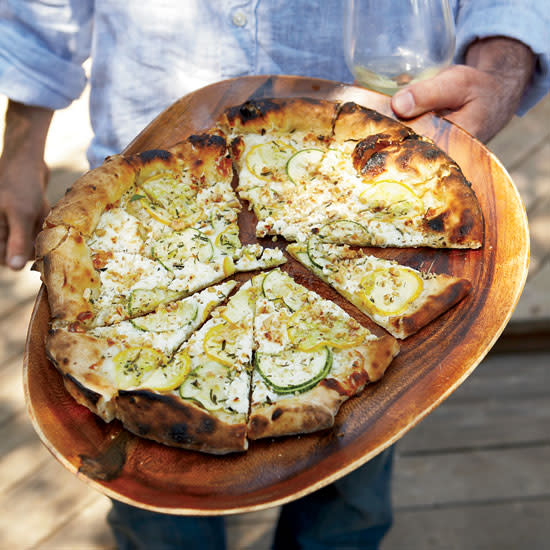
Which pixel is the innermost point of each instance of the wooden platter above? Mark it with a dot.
(431, 365)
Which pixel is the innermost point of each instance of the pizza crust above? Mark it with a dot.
(76, 356)
(67, 270)
(167, 419)
(85, 201)
(280, 116)
(355, 122)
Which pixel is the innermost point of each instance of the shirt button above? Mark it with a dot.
(239, 18)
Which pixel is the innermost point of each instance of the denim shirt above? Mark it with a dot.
(148, 54)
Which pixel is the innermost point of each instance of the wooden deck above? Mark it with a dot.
(473, 475)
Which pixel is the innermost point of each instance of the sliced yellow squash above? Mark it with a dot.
(311, 329)
(268, 160)
(168, 376)
(392, 200)
(389, 291)
(221, 343)
(132, 364)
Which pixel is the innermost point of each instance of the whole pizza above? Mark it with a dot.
(169, 317)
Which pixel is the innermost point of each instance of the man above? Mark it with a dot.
(144, 58)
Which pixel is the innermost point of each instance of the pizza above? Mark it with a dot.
(397, 297)
(170, 316)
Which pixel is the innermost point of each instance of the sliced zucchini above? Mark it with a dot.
(304, 165)
(316, 253)
(277, 285)
(267, 160)
(174, 250)
(345, 231)
(132, 364)
(169, 317)
(145, 300)
(228, 240)
(389, 291)
(294, 371)
(312, 328)
(168, 376)
(206, 385)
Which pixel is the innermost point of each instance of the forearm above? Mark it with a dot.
(25, 133)
(23, 179)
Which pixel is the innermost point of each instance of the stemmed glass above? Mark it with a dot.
(391, 43)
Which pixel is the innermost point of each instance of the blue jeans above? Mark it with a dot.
(350, 514)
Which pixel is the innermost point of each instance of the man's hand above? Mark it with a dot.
(481, 96)
(23, 180)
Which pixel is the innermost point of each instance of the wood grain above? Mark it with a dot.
(432, 364)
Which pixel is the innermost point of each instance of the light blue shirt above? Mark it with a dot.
(148, 54)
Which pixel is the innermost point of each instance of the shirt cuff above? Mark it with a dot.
(520, 23)
(31, 74)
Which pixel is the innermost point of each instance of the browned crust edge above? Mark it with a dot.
(302, 114)
(355, 122)
(84, 202)
(172, 421)
(67, 271)
(452, 291)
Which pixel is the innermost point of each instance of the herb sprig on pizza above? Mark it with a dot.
(149, 324)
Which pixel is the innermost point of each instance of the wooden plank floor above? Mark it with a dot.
(473, 475)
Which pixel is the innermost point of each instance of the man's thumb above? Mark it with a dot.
(447, 90)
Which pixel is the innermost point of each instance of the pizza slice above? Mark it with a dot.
(269, 141)
(144, 230)
(397, 297)
(400, 189)
(98, 363)
(208, 411)
(310, 357)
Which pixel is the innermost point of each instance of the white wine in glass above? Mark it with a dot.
(391, 43)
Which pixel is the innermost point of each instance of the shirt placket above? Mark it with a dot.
(240, 56)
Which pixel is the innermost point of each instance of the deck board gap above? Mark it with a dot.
(476, 448)
(542, 498)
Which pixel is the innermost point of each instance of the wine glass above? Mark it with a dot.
(391, 43)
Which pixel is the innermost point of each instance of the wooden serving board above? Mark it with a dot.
(431, 365)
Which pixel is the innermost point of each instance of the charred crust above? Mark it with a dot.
(438, 223)
(333, 384)
(72, 385)
(253, 110)
(258, 424)
(375, 165)
(237, 147)
(467, 225)
(277, 413)
(179, 433)
(206, 140)
(154, 154)
(173, 421)
(206, 426)
(350, 108)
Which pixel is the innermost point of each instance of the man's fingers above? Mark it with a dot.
(20, 241)
(448, 90)
(3, 238)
